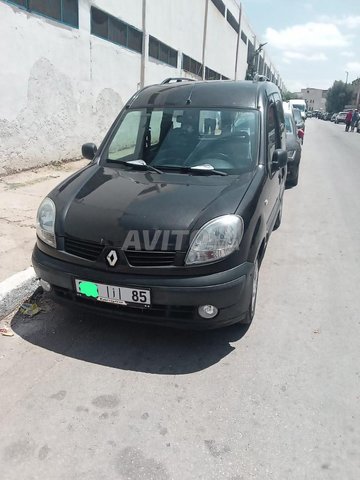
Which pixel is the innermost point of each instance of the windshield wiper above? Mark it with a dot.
(206, 167)
(209, 169)
(137, 163)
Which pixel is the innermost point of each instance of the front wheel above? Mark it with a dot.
(254, 287)
(279, 217)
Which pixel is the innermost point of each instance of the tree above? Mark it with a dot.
(288, 96)
(338, 96)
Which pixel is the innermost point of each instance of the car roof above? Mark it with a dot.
(211, 94)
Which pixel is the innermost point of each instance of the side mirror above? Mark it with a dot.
(89, 150)
(279, 159)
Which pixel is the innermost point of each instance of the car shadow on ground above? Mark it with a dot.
(127, 346)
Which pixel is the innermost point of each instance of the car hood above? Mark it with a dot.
(103, 204)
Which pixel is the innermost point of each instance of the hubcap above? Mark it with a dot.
(254, 286)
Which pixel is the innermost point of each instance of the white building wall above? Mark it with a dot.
(220, 44)
(62, 86)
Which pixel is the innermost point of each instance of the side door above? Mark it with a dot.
(282, 139)
(274, 176)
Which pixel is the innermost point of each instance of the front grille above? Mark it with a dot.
(87, 250)
(138, 258)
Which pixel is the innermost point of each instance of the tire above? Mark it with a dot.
(295, 179)
(255, 280)
(278, 218)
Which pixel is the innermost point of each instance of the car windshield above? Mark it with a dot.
(178, 139)
(288, 123)
(300, 106)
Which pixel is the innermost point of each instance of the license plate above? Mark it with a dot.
(112, 293)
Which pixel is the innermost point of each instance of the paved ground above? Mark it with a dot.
(91, 399)
(20, 196)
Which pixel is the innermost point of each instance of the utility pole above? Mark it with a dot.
(144, 44)
(238, 42)
(358, 93)
(204, 38)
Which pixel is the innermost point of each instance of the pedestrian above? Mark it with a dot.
(354, 120)
(348, 120)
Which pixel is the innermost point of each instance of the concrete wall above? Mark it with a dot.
(61, 86)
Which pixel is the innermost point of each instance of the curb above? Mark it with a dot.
(15, 289)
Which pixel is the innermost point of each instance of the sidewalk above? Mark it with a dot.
(20, 196)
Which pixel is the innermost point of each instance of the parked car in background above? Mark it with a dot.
(293, 149)
(299, 121)
(300, 105)
(169, 222)
(333, 117)
(341, 117)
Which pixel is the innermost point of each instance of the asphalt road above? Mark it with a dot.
(90, 399)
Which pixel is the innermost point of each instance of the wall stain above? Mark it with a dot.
(56, 120)
(19, 451)
(43, 452)
(215, 449)
(59, 395)
(106, 401)
(131, 464)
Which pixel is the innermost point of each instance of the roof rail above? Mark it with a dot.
(177, 79)
(261, 78)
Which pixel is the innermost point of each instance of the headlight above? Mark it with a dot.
(291, 154)
(45, 222)
(216, 239)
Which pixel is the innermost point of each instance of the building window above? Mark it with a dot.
(211, 74)
(243, 37)
(64, 11)
(192, 66)
(250, 53)
(232, 21)
(220, 5)
(162, 52)
(110, 28)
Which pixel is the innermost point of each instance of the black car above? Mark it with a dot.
(293, 148)
(169, 222)
(299, 121)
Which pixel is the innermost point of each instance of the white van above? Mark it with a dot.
(288, 107)
(300, 104)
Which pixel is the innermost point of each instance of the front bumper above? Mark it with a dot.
(174, 300)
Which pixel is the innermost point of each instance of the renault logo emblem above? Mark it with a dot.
(112, 258)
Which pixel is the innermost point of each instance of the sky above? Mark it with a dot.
(311, 42)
